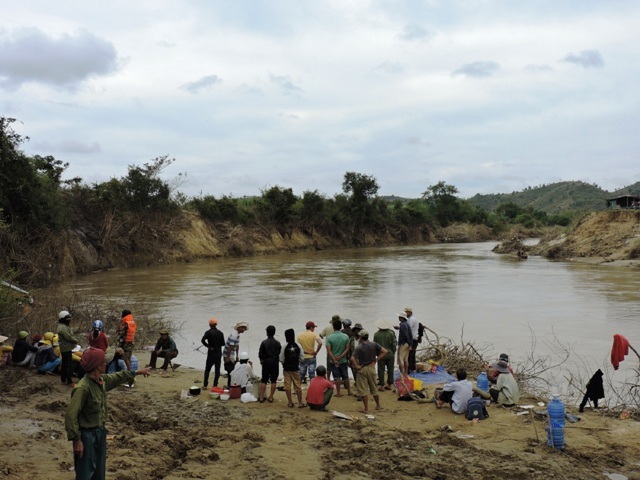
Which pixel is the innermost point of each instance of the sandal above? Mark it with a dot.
(261, 400)
(304, 405)
(290, 405)
(270, 400)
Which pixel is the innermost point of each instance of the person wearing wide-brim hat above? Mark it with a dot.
(506, 390)
(386, 338)
(231, 349)
(87, 413)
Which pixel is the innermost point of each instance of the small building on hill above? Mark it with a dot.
(624, 201)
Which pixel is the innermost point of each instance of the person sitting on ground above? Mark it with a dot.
(97, 337)
(242, 374)
(116, 363)
(46, 360)
(165, 348)
(364, 359)
(269, 355)
(456, 393)
(5, 351)
(290, 357)
(493, 373)
(320, 390)
(24, 353)
(505, 391)
(338, 352)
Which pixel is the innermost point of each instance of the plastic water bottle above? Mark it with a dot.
(483, 382)
(555, 430)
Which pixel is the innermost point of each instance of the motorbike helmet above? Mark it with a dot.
(98, 325)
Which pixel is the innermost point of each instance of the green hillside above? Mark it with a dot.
(556, 197)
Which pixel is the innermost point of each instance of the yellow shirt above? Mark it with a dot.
(308, 341)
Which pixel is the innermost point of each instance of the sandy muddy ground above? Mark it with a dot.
(155, 434)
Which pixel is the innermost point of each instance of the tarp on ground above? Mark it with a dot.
(439, 376)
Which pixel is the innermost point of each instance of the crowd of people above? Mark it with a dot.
(355, 363)
(360, 364)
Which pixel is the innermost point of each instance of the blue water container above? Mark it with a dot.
(555, 430)
(134, 363)
(483, 382)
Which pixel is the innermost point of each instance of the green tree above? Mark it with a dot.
(442, 199)
(360, 189)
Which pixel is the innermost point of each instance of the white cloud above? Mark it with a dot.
(30, 55)
(586, 59)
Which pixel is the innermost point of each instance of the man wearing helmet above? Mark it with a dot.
(24, 353)
(213, 340)
(68, 342)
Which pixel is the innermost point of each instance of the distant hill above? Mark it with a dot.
(556, 197)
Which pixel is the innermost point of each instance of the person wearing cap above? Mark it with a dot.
(87, 414)
(320, 390)
(269, 355)
(290, 357)
(242, 373)
(413, 323)
(338, 351)
(324, 334)
(24, 353)
(68, 342)
(346, 327)
(506, 390)
(127, 336)
(364, 359)
(213, 340)
(232, 347)
(311, 344)
(165, 348)
(405, 344)
(386, 338)
(353, 343)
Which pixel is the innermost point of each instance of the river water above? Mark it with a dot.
(497, 302)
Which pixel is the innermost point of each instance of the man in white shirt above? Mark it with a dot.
(456, 393)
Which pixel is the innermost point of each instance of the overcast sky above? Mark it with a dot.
(489, 96)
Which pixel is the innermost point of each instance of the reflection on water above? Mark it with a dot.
(456, 289)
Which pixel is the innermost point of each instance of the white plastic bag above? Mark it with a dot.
(247, 398)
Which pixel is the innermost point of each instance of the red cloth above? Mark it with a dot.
(317, 387)
(101, 341)
(619, 350)
(91, 359)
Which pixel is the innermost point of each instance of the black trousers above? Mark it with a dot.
(212, 361)
(66, 367)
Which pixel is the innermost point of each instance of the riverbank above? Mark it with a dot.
(153, 433)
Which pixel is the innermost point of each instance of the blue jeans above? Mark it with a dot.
(308, 364)
(49, 366)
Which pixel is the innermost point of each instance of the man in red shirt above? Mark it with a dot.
(320, 390)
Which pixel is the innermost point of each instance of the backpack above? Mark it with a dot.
(476, 409)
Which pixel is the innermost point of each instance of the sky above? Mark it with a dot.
(487, 96)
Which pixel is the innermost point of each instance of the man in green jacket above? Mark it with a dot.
(68, 342)
(87, 414)
(386, 337)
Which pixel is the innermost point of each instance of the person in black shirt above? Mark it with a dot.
(269, 355)
(290, 357)
(213, 339)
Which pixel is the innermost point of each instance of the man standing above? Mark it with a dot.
(364, 360)
(386, 338)
(68, 342)
(338, 352)
(269, 355)
(127, 336)
(213, 340)
(231, 348)
(405, 343)
(311, 344)
(165, 348)
(324, 334)
(87, 414)
(415, 327)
